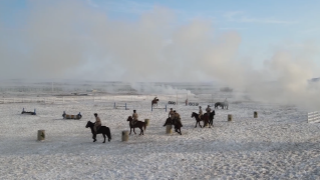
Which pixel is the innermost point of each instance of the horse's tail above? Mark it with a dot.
(109, 133)
(144, 126)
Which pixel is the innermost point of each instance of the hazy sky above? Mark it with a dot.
(159, 40)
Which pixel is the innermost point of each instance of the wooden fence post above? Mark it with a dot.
(168, 129)
(125, 136)
(147, 121)
(41, 135)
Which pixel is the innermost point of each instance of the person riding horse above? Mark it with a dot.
(170, 117)
(97, 123)
(208, 109)
(210, 113)
(176, 118)
(200, 112)
(134, 117)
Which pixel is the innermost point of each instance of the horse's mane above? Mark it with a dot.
(195, 114)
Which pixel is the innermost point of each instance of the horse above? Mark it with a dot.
(221, 104)
(176, 123)
(104, 130)
(204, 118)
(211, 117)
(154, 101)
(139, 124)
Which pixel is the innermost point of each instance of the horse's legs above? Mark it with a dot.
(104, 138)
(141, 131)
(94, 137)
(134, 130)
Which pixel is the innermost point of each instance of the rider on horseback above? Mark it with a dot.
(134, 117)
(170, 116)
(200, 112)
(208, 109)
(97, 124)
(176, 118)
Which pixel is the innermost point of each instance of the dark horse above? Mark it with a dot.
(221, 104)
(177, 124)
(207, 120)
(154, 101)
(139, 124)
(104, 130)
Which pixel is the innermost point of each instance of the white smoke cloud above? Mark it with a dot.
(151, 88)
(71, 40)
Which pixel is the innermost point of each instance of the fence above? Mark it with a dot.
(165, 108)
(131, 100)
(116, 106)
(313, 117)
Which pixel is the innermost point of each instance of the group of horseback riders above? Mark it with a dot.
(173, 118)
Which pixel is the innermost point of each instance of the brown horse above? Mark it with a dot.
(204, 118)
(154, 101)
(139, 124)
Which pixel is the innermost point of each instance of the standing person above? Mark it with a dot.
(200, 112)
(134, 117)
(97, 124)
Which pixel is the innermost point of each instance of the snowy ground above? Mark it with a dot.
(279, 144)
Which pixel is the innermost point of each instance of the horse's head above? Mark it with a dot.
(89, 124)
(194, 114)
(129, 118)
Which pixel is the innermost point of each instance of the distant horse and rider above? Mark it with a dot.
(138, 124)
(223, 105)
(154, 101)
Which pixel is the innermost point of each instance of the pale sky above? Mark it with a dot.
(180, 40)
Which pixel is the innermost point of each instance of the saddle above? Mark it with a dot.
(133, 122)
